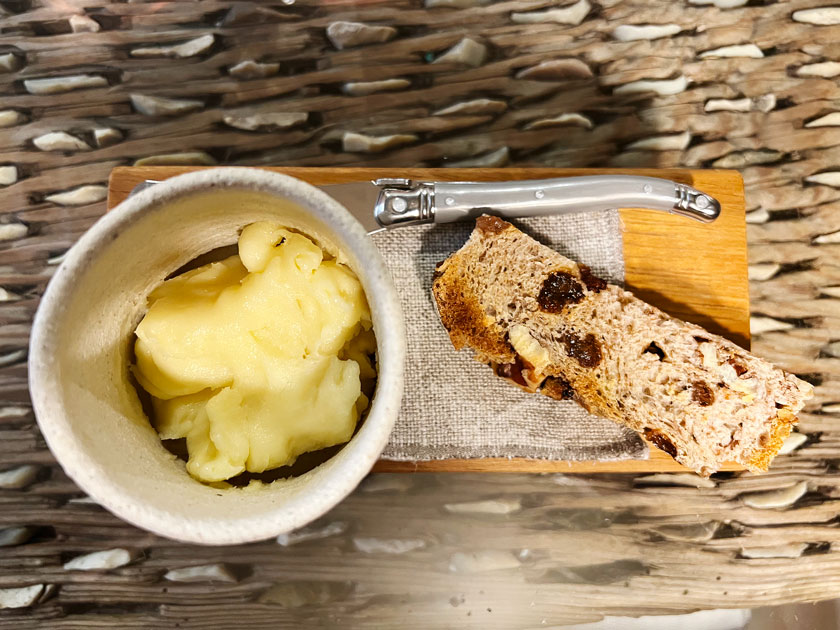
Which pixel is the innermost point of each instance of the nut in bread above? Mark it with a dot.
(549, 325)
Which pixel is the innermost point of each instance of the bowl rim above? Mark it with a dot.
(339, 482)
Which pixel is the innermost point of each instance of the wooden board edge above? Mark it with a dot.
(657, 462)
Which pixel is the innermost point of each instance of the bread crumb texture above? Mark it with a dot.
(551, 326)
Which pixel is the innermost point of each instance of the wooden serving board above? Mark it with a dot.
(694, 271)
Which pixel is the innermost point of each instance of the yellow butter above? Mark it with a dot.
(257, 358)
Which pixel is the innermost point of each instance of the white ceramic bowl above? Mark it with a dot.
(89, 412)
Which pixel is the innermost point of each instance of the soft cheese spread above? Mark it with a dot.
(258, 358)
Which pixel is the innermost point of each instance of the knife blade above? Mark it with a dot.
(360, 200)
(358, 197)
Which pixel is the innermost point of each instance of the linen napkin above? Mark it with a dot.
(455, 407)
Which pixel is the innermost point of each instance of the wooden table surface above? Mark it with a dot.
(536, 83)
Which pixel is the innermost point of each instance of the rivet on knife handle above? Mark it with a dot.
(405, 202)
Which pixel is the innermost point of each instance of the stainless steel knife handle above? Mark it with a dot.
(404, 202)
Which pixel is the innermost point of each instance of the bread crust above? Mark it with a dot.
(551, 326)
(758, 460)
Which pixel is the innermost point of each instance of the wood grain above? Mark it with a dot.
(695, 271)
(657, 462)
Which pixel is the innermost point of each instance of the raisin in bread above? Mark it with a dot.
(549, 325)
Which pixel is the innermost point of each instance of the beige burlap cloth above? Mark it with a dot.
(455, 407)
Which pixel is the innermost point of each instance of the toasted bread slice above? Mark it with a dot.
(550, 326)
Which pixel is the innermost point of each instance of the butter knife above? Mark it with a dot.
(399, 202)
(394, 202)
